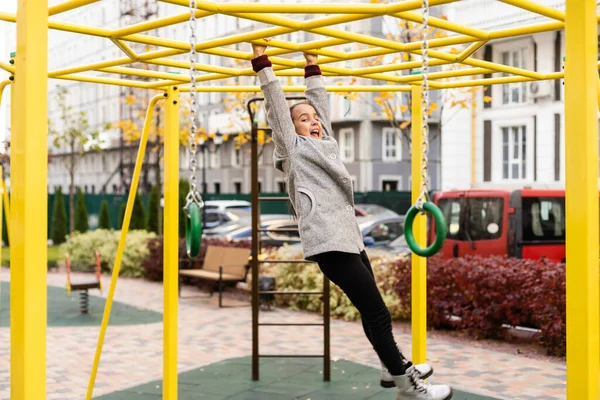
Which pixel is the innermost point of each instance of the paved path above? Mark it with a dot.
(132, 355)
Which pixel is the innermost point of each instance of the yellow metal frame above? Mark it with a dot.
(34, 19)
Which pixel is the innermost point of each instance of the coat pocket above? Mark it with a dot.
(307, 203)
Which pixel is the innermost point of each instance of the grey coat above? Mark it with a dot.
(319, 186)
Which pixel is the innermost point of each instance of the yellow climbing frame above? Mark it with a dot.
(28, 158)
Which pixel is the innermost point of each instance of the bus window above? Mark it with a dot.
(485, 218)
(543, 219)
(452, 212)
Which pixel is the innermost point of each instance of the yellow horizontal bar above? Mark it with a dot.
(113, 63)
(527, 30)
(372, 9)
(7, 67)
(157, 23)
(295, 47)
(69, 5)
(167, 62)
(443, 24)
(146, 73)
(343, 88)
(106, 81)
(485, 82)
(537, 8)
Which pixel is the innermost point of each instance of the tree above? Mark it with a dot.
(122, 215)
(76, 136)
(138, 214)
(59, 218)
(153, 205)
(104, 219)
(81, 214)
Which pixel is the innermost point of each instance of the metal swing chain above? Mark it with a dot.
(423, 196)
(193, 195)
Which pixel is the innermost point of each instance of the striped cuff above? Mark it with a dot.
(261, 62)
(311, 70)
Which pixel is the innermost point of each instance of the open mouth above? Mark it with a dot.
(315, 133)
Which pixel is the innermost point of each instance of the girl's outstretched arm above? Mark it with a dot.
(278, 112)
(316, 93)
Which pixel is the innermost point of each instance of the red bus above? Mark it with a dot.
(522, 223)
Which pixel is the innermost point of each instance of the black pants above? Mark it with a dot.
(354, 275)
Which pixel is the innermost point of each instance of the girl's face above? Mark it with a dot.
(306, 121)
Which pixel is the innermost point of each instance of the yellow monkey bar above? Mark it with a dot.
(34, 19)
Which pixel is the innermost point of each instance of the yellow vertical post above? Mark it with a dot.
(29, 162)
(419, 264)
(171, 246)
(473, 134)
(581, 163)
(1, 197)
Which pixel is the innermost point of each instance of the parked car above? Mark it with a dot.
(214, 217)
(365, 210)
(270, 238)
(380, 230)
(244, 222)
(228, 205)
(392, 249)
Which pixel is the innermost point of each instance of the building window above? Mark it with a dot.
(215, 159)
(237, 187)
(391, 145)
(389, 186)
(281, 187)
(236, 157)
(347, 144)
(514, 152)
(514, 93)
(217, 187)
(390, 183)
(259, 187)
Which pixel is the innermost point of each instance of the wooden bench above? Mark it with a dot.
(221, 264)
(83, 286)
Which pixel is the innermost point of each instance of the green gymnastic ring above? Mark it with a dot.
(193, 230)
(440, 227)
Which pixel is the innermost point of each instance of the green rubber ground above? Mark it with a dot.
(64, 310)
(280, 378)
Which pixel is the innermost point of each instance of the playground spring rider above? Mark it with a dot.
(424, 204)
(193, 200)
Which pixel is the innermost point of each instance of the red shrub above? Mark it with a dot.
(486, 293)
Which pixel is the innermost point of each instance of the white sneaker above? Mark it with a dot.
(387, 381)
(411, 387)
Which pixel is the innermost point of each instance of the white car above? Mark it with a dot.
(228, 205)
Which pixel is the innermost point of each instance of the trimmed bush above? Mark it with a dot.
(309, 277)
(138, 214)
(59, 218)
(153, 204)
(121, 215)
(81, 214)
(104, 218)
(486, 293)
(81, 248)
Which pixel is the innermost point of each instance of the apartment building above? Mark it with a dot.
(376, 154)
